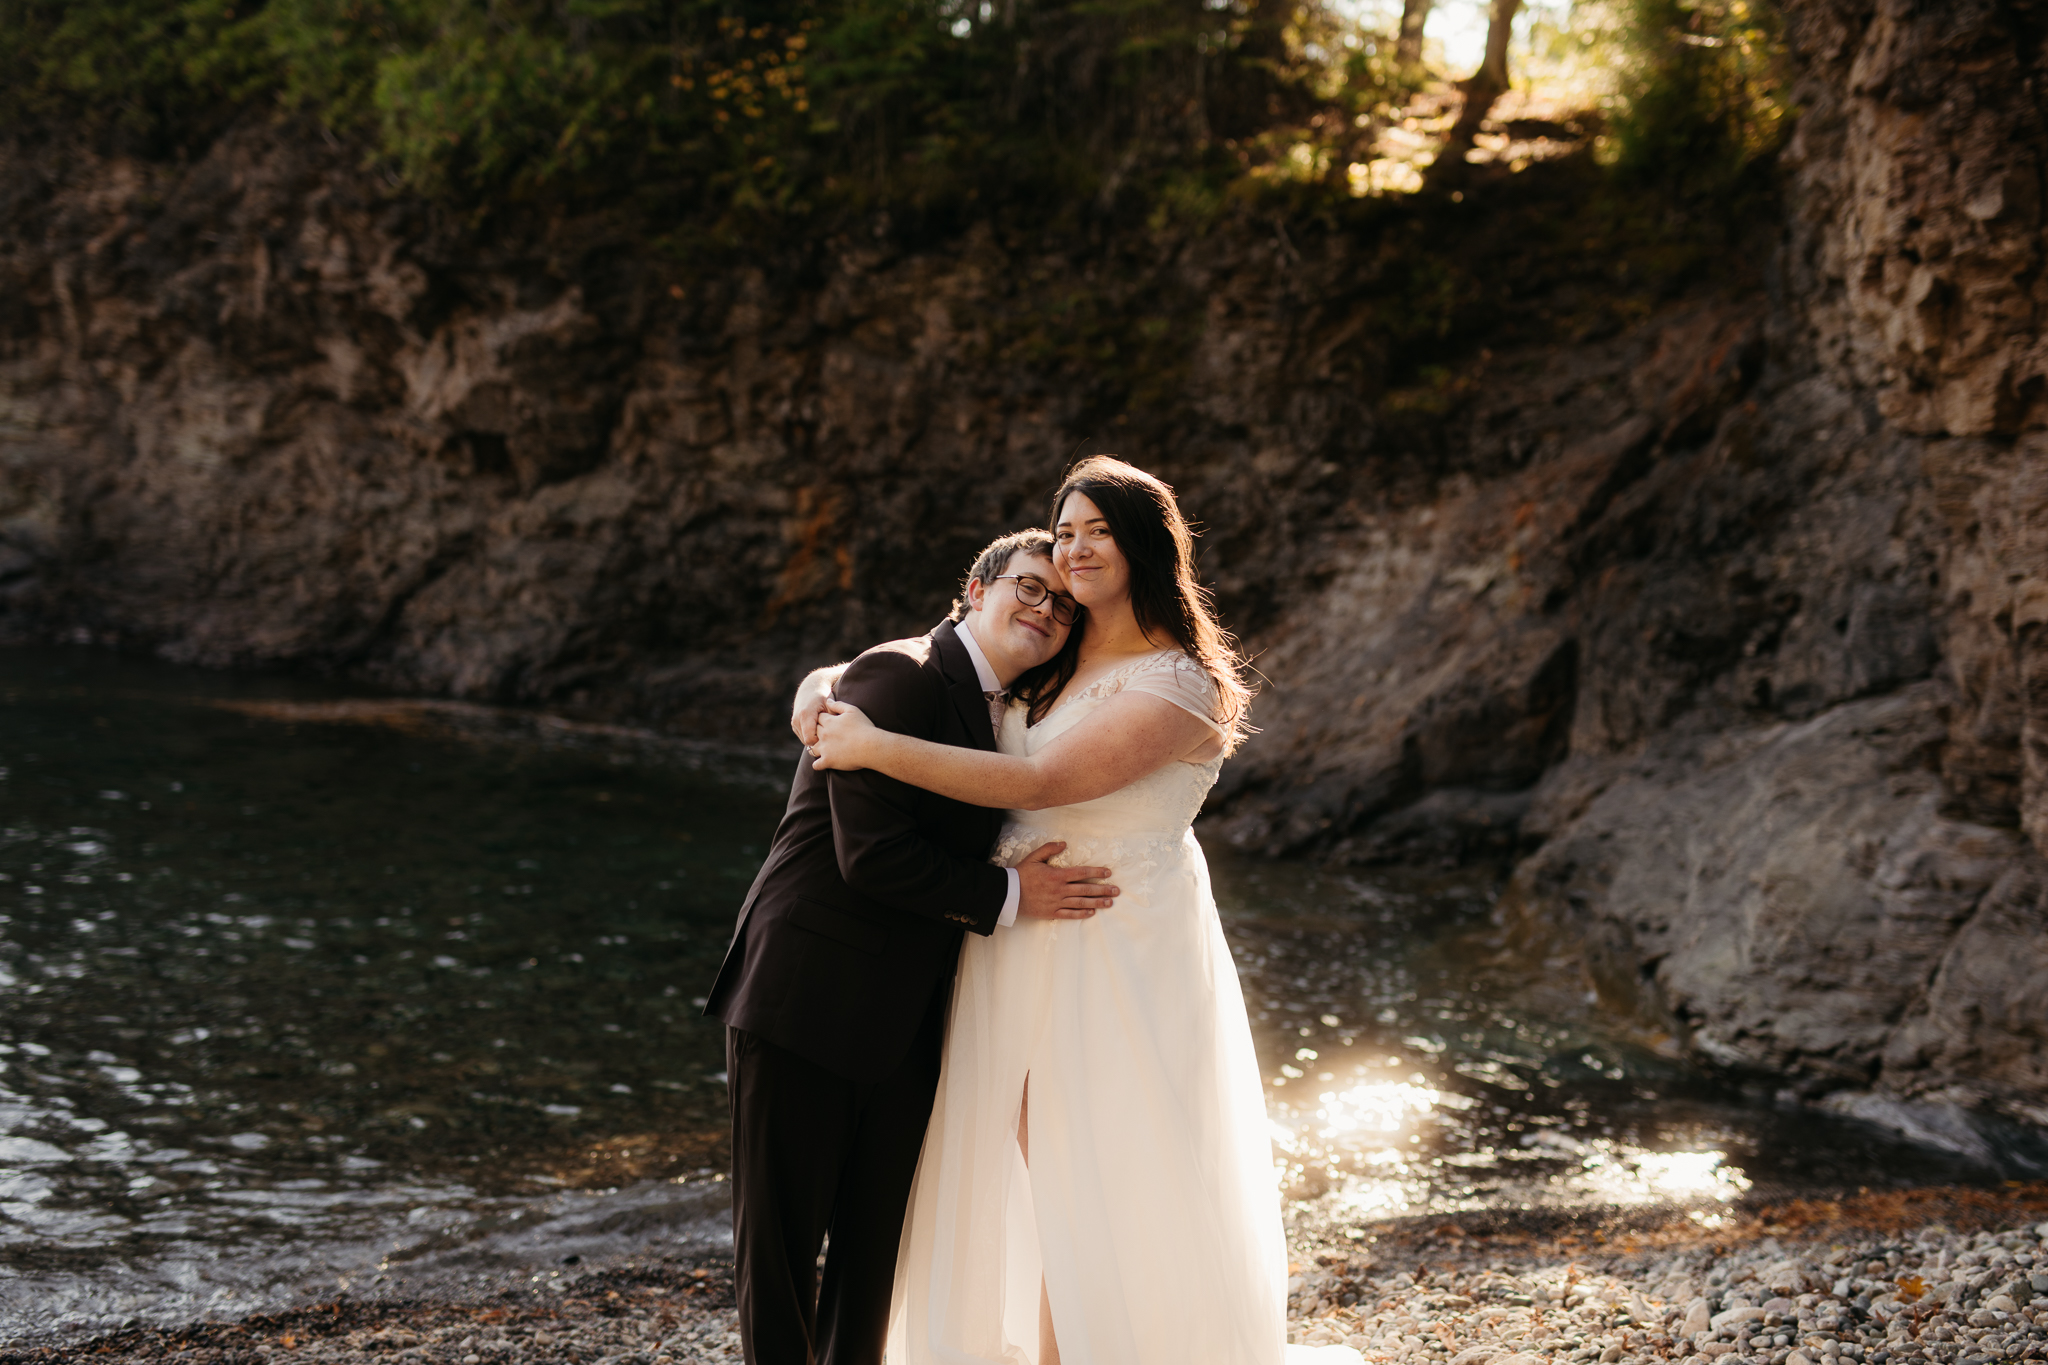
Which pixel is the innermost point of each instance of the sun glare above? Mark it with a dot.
(1562, 64)
(1690, 1175)
(1374, 1150)
(1387, 1107)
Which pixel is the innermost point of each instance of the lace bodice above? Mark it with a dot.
(1158, 806)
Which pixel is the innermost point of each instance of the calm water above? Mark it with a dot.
(303, 991)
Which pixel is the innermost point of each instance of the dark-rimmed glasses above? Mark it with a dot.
(1031, 592)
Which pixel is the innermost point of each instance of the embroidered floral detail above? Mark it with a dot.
(1144, 825)
(1114, 681)
(1142, 865)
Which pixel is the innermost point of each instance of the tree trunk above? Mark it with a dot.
(1487, 84)
(1499, 30)
(1408, 48)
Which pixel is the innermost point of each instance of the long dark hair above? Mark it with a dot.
(1166, 597)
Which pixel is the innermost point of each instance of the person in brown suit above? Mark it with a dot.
(835, 988)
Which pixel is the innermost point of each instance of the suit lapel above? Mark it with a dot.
(963, 684)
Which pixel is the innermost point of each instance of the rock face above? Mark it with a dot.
(1768, 620)
(1728, 627)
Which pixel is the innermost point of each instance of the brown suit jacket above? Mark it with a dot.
(854, 923)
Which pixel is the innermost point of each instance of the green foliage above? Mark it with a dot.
(139, 72)
(736, 121)
(740, 112)
(506, 101)
(1705, 99)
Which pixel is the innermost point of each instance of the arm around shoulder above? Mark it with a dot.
(882, 849)
(897, 692)
(811, 696)
(1130, 736)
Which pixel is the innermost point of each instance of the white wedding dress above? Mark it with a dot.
(1150, 1206)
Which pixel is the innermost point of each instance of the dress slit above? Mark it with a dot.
(1146, 1219)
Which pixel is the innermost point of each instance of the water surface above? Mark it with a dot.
(1421, 1061)
(303, 990)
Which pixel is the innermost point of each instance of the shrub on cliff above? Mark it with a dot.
(739, 111)
(744, 120)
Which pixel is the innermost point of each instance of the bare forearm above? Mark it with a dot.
(1131, 736)
(1064, 775)
(972, 775)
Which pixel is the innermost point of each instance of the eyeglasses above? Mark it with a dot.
(1031, 592)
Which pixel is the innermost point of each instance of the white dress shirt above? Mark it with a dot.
(987, 677)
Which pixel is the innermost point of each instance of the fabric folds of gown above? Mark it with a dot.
(1150, 1206)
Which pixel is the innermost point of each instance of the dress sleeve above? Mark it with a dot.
(1183, 682)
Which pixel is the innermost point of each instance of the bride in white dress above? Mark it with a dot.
(1097, 1185)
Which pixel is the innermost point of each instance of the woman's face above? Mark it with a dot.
(1087, 557)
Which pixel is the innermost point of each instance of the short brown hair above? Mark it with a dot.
(996, 557)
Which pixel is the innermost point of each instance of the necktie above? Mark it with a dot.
(998, 702)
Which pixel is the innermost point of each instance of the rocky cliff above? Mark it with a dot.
(1748, 662)
(1716, 606)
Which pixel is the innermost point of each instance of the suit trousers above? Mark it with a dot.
(816, 1153)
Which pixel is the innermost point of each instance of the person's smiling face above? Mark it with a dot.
(1015, 637)
(1087, 555)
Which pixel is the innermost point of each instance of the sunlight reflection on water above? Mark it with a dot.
(1374, 1131)
(303, 989)
(1421, 1060)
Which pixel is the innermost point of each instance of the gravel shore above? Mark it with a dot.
(1933, 1278)
(1929, 1278)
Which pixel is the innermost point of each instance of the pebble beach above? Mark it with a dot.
(1930, 1278)
(1705, 1289)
